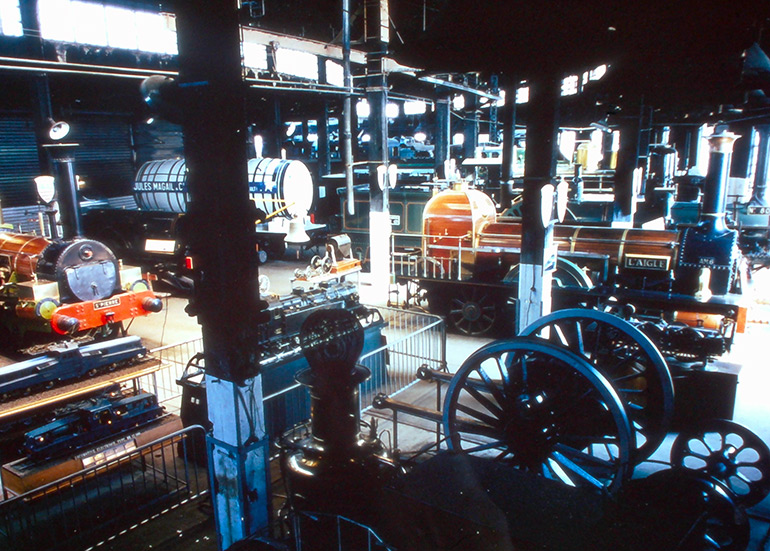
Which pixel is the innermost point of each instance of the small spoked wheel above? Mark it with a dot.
(539, 408)
(729, 452)
(627, 358)
(474, 310)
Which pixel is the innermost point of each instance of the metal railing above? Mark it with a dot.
(313, 531)
(104, 501)
(97, 504)
(412, 340)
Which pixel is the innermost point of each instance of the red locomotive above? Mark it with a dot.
(67, 287)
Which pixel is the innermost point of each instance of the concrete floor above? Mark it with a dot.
(749, 352)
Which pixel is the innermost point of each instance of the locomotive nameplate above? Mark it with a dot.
(647, 262)
(104, 304)
(758, 210)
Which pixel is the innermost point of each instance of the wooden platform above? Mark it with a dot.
(23, 475)
(81, 388)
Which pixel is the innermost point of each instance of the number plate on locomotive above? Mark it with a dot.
(103, 304)
(647, 262)
(758, 210)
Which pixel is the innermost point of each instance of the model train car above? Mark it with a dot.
(67, 286)
(66, 363)
(90, 422)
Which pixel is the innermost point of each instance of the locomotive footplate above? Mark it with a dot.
(732, 307)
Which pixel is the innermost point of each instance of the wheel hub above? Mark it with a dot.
(471, 311)
(530, 431)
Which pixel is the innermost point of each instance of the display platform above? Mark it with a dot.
(24, 475)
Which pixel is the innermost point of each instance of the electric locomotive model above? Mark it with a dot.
(67, 286)
(469, 263)
(91, 421)
(66, 362)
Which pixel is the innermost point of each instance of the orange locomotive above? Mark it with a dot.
(67, 287)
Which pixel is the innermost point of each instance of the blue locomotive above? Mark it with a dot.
(90, 422)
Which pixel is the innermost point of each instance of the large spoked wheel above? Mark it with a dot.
(540, 408)
(729, 452)
(630, 361)
(566, 274)
(474, 310)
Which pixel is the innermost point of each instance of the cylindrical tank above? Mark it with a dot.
(274, 184)
(630, 248)
(23, 252)
(451, 219)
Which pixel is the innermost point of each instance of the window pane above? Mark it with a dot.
(121, 28)
(334, 73)
(56, 20)
(255, 56)
(10, 18)
(153, 35)
(294, 62)
(88, 19)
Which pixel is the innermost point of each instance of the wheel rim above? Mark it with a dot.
(629, 360)
(539, 408)
(729, 452)
(473, 311)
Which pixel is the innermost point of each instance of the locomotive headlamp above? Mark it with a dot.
(58, 130)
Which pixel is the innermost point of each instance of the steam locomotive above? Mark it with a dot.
(66, 287)
(468, 265)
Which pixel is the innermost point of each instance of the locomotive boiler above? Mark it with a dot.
(67, 286)
(469, 262)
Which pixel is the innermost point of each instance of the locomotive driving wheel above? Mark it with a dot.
(539, 408)
(728, 452)
(474, 310)
(627, 358)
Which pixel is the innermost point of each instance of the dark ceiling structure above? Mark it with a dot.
(684, 58)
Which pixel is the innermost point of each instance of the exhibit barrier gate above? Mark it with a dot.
(102, 502)
(107, 500)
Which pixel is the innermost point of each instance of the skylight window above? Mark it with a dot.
(96, 24)
(121, 28)
(569, 86)
(10, 18)
(296, 63)
(599, 72)
(335, 75)
(255, 56)
(414, 107)
(362, 109)
(88, 23)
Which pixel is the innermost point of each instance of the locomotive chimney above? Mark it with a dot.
(715, 185)
(67, 194)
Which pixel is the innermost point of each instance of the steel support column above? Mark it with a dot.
(442, 135)
(537, 250)
(626, 175)
(219, 229)
(508, 117)
(377, 96)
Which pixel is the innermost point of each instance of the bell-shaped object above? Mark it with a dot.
(297, 232)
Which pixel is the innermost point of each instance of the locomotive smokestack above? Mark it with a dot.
(715, 185)
(67, 193)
